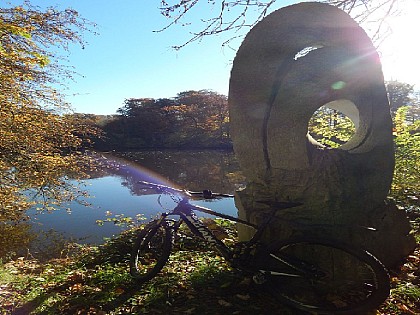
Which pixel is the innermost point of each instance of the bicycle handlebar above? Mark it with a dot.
(206, 194)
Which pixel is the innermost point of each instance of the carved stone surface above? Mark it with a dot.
(296, 60)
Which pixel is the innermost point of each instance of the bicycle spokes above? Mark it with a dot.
(151, 250)
(325, 278)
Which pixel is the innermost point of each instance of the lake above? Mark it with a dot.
(114, 190)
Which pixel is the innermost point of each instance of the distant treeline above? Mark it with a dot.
(200, 120)
(192, 119)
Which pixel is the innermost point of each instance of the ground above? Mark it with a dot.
(95, 280)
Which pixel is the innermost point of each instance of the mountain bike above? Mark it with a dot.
(321, 276)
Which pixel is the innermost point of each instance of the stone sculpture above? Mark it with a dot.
(294, 61)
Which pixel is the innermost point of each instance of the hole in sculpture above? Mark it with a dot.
(329, 126)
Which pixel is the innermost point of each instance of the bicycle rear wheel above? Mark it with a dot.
(325, 277)
(151, 250)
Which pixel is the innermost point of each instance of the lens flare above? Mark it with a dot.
(339, 85)
(129, 169)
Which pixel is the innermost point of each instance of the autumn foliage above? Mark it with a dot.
(192, 119)
(38, 142)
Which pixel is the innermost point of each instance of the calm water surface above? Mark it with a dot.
(114, 190)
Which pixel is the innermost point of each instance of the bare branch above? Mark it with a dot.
(238, 16)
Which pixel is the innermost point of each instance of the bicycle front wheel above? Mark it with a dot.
(325, 277)
(151, 250)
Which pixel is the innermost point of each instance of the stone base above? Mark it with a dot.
(384, 231)
(393, 239)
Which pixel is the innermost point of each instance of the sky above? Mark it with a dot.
(129, 59)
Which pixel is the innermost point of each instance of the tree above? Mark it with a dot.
(399, 94)
(413, 112)
(38, 142)
(146, 121)
(191, 119)
(406, 183)
(237, 15)
(330, 127)
(204, 114)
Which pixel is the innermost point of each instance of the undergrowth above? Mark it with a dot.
(95, 280)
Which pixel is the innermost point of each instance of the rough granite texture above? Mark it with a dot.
(291, 63)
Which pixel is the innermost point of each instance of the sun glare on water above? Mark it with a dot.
(400, 50)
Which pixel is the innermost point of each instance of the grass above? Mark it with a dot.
(95, 280)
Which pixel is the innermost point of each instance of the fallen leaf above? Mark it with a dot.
(119, 291)
(224, 303)
(245, 297)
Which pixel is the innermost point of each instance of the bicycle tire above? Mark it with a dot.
(340, 290)
(151, 250)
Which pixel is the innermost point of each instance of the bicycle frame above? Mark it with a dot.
(185, 211)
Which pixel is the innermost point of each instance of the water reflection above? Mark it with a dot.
(14, 236)
(113, 189)
(195, 170)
